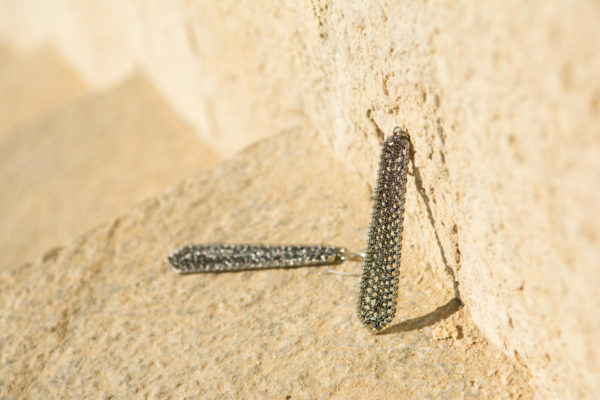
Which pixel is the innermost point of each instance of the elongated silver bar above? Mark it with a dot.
(378, 291)
(199, 258)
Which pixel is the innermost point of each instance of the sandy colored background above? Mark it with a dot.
(502, 102)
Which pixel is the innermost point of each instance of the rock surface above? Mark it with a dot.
(33, 84)
(86, 163)
(104, 316)
(502, 101)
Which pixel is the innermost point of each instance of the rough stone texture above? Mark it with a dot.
(87, 162)
(502, 101)
(104, 316)
(32, 85)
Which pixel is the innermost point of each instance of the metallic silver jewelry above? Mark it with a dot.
(240, 257)
(379, 279)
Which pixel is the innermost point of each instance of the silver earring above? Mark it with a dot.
(379, 279)
(378, 291)
(241, 257)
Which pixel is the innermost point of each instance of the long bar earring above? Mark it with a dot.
(379, 279)
(378, 291)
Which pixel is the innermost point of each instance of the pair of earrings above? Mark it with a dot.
(378, 290)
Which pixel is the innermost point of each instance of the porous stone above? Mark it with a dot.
(87, 162)
(502, 101)
(104, 316)
(33, 84)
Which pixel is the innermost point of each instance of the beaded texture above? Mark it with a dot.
(198, 258)
(379, 279)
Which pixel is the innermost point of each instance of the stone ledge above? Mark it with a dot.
(104, 315)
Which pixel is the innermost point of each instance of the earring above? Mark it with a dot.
(197, 258)
(379, 279)
(378, 291)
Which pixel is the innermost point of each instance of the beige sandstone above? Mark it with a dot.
(86, 162)
(502, 101)
(104, 316)
(32, 85)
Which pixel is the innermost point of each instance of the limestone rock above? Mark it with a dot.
(502, 102)
(104, 316)
(33, 84)
(88, 162)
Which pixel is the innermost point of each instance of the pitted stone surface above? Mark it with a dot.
(502, 101)
(104, 315)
